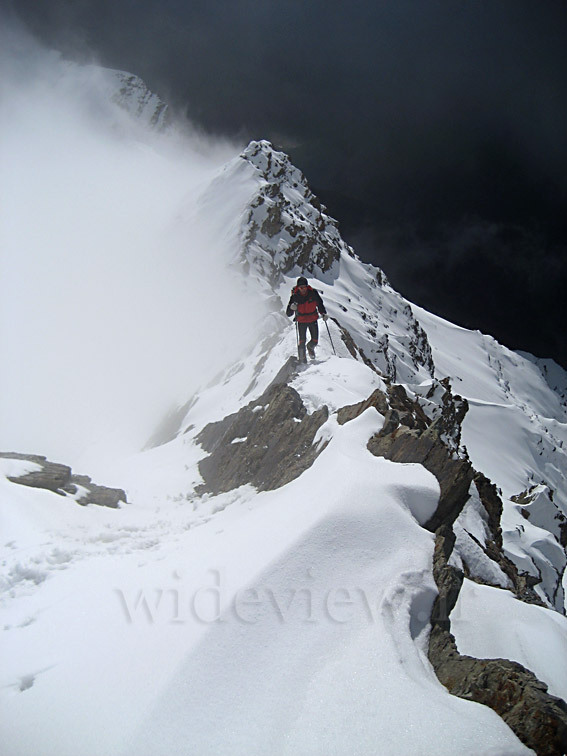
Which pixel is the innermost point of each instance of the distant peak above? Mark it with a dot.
(133, 95)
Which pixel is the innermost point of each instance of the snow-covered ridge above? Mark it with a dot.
(373, 324)
(295, 611)
(282, 232)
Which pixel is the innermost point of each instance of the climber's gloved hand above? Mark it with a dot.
(325, 316)
(293, 306)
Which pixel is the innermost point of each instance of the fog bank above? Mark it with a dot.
(116, 300)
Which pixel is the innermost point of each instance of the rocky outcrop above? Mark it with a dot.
(515, 693)
(409, 435)
(538, 719)
(453, 475)
(268, 443)
(52, 476)
(84, 491)
(60, 479)
(287, 226)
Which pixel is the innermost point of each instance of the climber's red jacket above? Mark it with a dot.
(308, 305)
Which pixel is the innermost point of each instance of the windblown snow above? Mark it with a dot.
(291, 621)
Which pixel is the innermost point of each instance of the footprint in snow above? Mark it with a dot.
(25, 682)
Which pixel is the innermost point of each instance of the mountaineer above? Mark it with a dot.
(307, 305)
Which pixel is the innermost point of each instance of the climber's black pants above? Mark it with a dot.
(313, 332)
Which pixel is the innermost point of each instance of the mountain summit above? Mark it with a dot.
(364, 554)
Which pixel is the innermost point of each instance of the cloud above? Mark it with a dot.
(394, 91)
(405, 106)
(116, 299)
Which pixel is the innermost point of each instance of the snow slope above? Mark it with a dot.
(295, 620)
(536, 637)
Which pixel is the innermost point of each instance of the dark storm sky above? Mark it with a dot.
(434, 130)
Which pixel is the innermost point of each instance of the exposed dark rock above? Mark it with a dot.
(90, 493)
(409, 413)
(267, 443)
(287, 371)
(492, 503)
(537, 718)
(454, 475)
(52, 476)
(377, 399)
(419, 347)
(408, 435)
(453, 410)
(316, 244)
(389, 357)
(273, 223)
(348, 340)
(60, 479)
(448, 579)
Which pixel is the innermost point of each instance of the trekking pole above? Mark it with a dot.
(330, 339)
